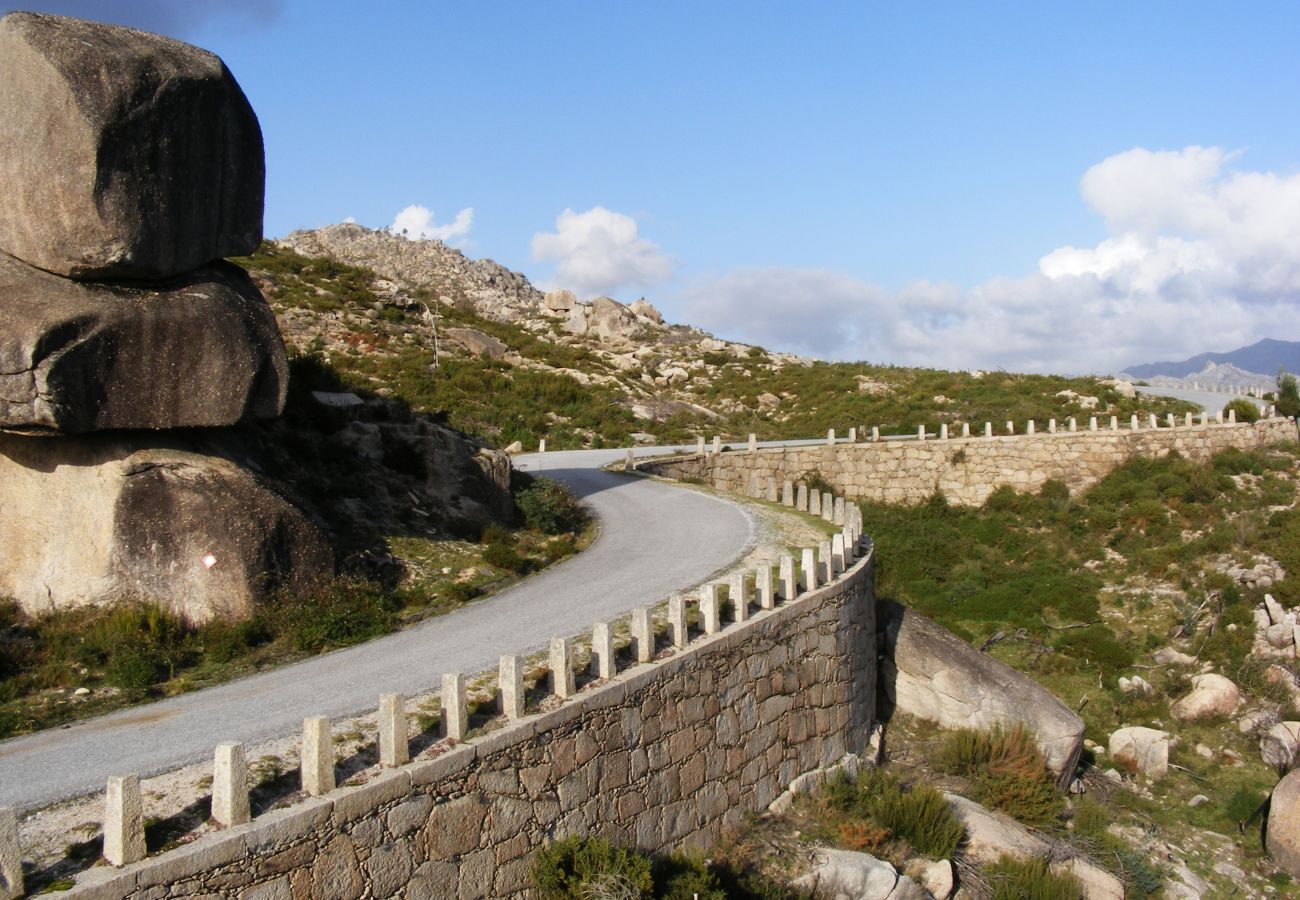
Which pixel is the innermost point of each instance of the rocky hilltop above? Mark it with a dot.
(520, 365)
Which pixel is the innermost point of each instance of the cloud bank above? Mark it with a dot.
(1197, 256)
(599, 251)
(416, 222)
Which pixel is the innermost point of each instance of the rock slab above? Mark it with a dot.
(97, 519)
(201, 350)
(124, 154)
(1283, 840)
(1146, 750)
(932, 674)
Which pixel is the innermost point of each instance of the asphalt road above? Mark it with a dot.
(1209, 401)
(654, 538)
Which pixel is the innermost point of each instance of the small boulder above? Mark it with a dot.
(1280, 745)
(1096, 882)
(198, 351)
(576, 323)
(477, 343)
(1212, 695)
(1276, 614)
(1168, 656)
(124, 154)
(1136, 685)
(1283, 835)
(990, 835)
(1145, 749)
(845, 873)
(936, 876)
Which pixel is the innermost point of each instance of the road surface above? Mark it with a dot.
(654, 538)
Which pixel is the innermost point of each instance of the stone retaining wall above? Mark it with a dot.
(966, 470)
(664, 755)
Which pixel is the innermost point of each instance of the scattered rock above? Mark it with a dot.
(515, 447)
(1255, 720)
(1136, 685)
(1212, 695)
(201, 350)
(1198, 800)
(1204, 751)
(1283, 834)
(1146, 749)
(930, 673)
(124, 154)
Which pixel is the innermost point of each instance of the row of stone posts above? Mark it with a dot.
(1031, 427)
(124, 836)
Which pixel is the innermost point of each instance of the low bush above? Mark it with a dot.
(550, 507)
(503, 556)
(880, 810)
(591, 867)
(1246, 410)
(1011, 879)
(1006, 770)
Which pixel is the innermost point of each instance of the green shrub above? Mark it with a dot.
(504, 557)
(919, 816)
(679, 877)
(1011, 879)
(1288, 395)
(1246, 410)
(550, 507)
(591, 867)
(1096, 647)
(1006, 770)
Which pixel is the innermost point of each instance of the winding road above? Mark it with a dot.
(654, 538)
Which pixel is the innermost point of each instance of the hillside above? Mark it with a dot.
(1264, 357)
(420, 321)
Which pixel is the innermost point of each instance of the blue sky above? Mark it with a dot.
(850, 180)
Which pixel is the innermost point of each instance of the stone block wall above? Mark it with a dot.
(966, 470)
(664, 755)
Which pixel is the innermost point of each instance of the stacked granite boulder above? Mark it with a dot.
(132, 164)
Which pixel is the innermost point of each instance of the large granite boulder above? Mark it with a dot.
(932, 674)
(199, 350)
(123, 154)
(1283, 838)
(98, 518)
(1211, 695)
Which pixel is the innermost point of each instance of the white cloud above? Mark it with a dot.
(599, 251)
(416, 222)
(1198, 257)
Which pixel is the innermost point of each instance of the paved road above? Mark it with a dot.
(1209, 401)
(654, 538)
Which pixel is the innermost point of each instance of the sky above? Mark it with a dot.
(1027, 186)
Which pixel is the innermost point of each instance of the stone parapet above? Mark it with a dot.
(967, 470)
(663, 755)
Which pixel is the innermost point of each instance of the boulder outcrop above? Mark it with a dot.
(930, 673)
(199, 350)
(1283, 838)
(100, 518)
(124, 154)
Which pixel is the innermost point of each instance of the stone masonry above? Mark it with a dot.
(968, 470)
(664, 755)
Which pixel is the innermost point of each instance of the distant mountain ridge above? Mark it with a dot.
(1264, 357)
